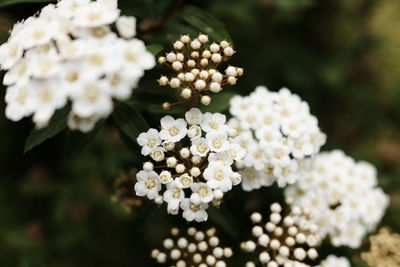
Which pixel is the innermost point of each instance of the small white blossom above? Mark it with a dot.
(148, 184)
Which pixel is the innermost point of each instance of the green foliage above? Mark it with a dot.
(13, 2)
(57, 124)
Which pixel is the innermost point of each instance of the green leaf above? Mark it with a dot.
(154, 48)
(219, 102)
(224, 221)
(204, 22)
(77, 141)
(57, 124)
(129, 121)
(12, 2)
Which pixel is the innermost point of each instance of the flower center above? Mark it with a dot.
(130, 56)
(203, 191)
(164, 178)
(278, 153)
(22, 96)
(46, 95)
(173, 131)
(150, 183)
(151, 143)
(96, 59)
(115, 79)
(195, 208)
(219, 175)
(202, 148)
(213, 125)
(37, 35)
(176, 193)
(94, 16)
(92, 93)
(72, 76)
(98, 32)
(216, 143)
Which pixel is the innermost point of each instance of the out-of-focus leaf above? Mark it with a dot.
(204, 22)
(154, 48)
(129, 120)
(12, 2)
(220, 219)
(219, 102)
(57, 124)
(77, 141)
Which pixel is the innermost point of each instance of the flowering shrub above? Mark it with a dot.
(68, 51)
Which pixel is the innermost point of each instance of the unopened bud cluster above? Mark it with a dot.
(196, 62)
(286, 241)
(195, 249)
(193, 159)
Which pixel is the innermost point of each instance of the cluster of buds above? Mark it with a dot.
(384, 252)
(193, 159)
(284, 240)
(124, 194)
(196, 64)
(196, 249)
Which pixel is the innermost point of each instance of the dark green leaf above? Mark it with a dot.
(77, 141)
(154, 48)
(12, 2)
(129, 121)
(224, 221)
(204, 22)
(57, 124)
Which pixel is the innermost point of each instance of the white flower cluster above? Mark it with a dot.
(279, 134)
(284, 240)
(196, 65)
(334, 261)
(196, 249)
(68, 51)
(193, 158)
(343, 197)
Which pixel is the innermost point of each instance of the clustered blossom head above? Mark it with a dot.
(196, 249)
(384, 251)
(68, 51)
(196, 65)
(287, 241)
(334, 261)
(343, 197)
(193, 159)
(279, 134)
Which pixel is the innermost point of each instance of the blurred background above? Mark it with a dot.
(62, 209)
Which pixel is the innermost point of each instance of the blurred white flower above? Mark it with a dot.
(68, 51)
(343, 196)
(278, 132)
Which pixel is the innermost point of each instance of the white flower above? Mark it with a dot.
(95, 14)
(83, 124)
(343, 197)
(200, 147)
(236, 152)
(72, 44)
(126, 26)
(19, 102)
(218, 176)
(193, 212)
(213, 122)
(148, 141)
(173, 130)
(278, 132)
(148, 184)
(91, 99)
(173, 196)
(222, 157)
(334, 261)
(251, 179)
(157, 154)
(194, 116)
(217, 141)
(185, 180)
(48, 96)
(202, 193)
(194, 132)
